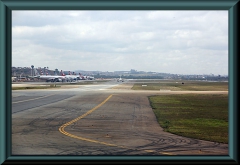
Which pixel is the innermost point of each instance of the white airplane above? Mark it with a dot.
(90, 77)
(87, 77)
(50, 78)
(82, 77)
(72, 76)
(120, 79)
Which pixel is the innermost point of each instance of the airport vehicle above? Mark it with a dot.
(14, 79)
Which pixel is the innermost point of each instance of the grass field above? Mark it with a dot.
(182, 86)
(200, 116)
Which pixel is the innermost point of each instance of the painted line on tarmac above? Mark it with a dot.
(61, 129)
(32, 99)
(166, 153)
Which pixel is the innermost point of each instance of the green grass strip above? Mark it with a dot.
(200, 116)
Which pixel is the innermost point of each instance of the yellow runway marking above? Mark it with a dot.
(61, 129)
(149, 150)
(32, 99)
(166, 153)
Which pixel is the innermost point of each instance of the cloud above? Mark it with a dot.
(161, 41)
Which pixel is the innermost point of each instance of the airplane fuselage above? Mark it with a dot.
(51, 78)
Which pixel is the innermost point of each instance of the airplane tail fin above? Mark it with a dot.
(62, 73)
(82, 77)
(36, 72)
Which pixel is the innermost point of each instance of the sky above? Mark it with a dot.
(175, 42)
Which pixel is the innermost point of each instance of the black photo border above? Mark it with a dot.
(6, 7)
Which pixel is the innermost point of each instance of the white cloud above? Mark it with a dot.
(164, 41)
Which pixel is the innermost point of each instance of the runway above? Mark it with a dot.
(105, 118)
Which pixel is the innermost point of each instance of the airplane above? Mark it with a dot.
(50, 78)
(83, 77)
(90, 77)
(120, 79)
(72, 77)
(87, 77)
(14, 78)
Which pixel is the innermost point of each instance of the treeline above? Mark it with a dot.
(128, 77)
(208, 78)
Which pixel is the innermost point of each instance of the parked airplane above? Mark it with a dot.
(82, 77)
(90, 77)
(50, 78)
(86, 77)
(57, 78)
(72, 76)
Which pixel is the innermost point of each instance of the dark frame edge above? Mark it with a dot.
(5, 82)
(233, 41)
(8, 71)
(120, 4)
(3, 103)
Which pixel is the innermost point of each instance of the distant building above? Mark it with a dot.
(132, 71)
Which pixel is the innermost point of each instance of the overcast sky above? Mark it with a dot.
(177, 42)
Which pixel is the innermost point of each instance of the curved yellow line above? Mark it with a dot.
(61, 129)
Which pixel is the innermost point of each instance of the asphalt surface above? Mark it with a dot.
(99, 119)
